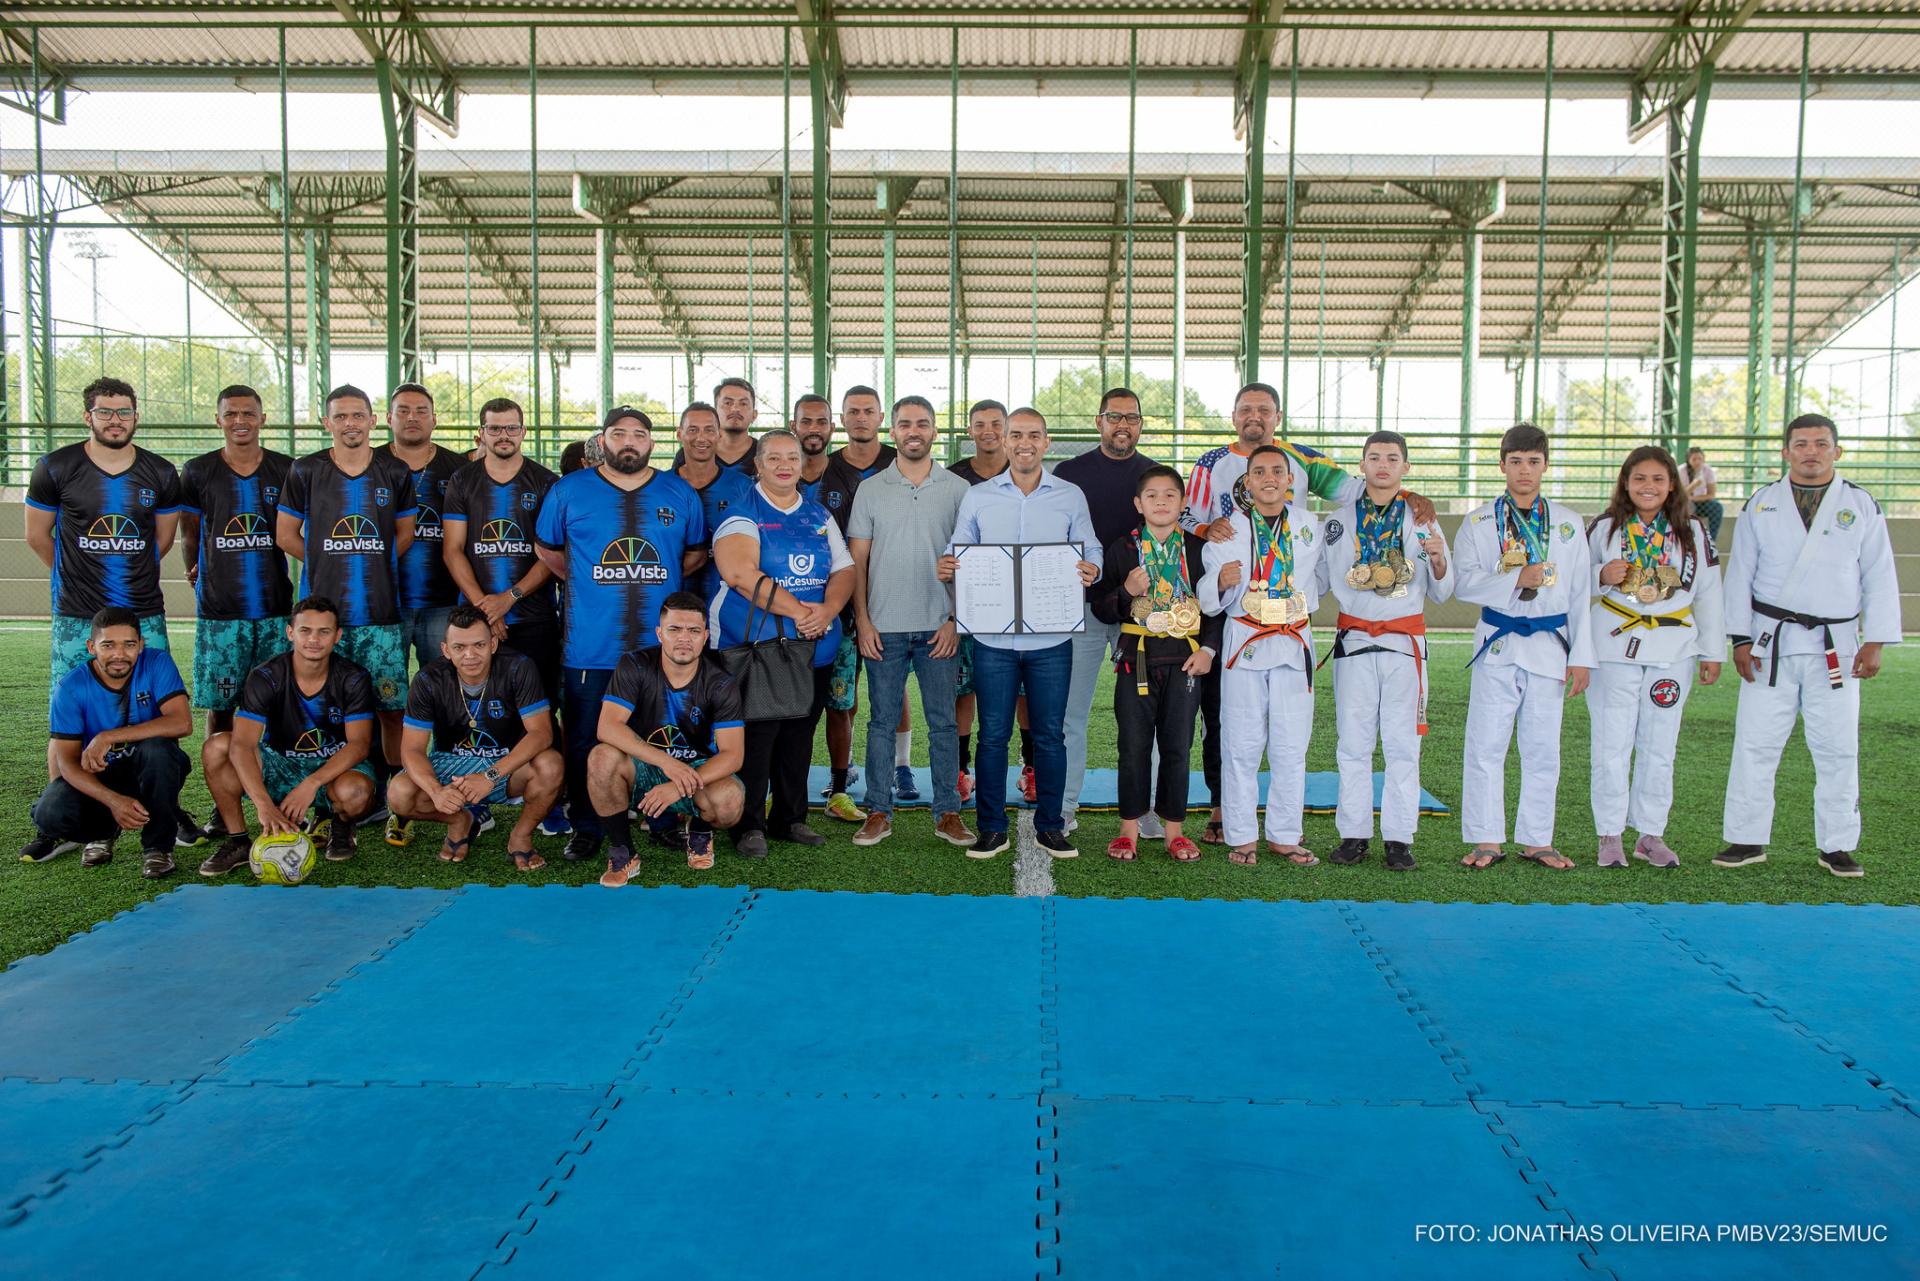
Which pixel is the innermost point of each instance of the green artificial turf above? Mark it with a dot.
(40, 906)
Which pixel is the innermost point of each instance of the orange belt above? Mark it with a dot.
(1261, 631)
(1409, 625)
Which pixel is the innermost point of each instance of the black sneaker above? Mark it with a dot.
(189, 833)
(231, 854)
(987, 845)
(43, 847)
(1841, 863)
(1352, 850)
(750, 844)
(801, 834)
(581, 847)
(669, 833)
(340, 844)
(1400, 857)
(1740, 855)
(1056, 844)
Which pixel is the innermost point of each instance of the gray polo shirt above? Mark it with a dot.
(909, 526)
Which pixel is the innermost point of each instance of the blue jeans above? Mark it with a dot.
(998, 678)
(902, 652)
(422, 630)
(586, 686)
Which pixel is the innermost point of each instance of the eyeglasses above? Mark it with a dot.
(1121, 420)
(504, 429)
(126, 415)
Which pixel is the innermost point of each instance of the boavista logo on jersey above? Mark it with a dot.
(355, 533)
(502, 538)
(630, 560)
(426, 524)
(246, 532)
(113, 535)
(312, 745)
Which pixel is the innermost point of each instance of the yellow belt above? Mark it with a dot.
(1649, 621)
(1140, 650)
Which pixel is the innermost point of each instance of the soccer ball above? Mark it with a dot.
(285, 859)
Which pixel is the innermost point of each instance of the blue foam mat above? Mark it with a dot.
(1213, 999)
(167, 991)
(549, 985)
(52, 1130)
(697, 1185)
(917, 992)
(1101, 790)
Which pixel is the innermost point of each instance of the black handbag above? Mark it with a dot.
(775, 675)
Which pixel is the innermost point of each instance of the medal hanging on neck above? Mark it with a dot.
(473, 699)
(1526, 538)
(1645, 547)
(1381, 564)
(1171, 611)
(1272, 589)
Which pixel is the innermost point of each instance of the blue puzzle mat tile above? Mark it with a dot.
(1152, 1190)
(863, 993)
(517, 984)
(55, 1130)
(263, 1181)
(1101, 790)
(1565, 1004)
(1233, 1000)
(1790, 958)
(1726, 1171)
(800, 1188)
(166, 992)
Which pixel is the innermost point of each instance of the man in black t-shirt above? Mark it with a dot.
(101, 514)
(479, 730)
(671, 736)
(301, 738)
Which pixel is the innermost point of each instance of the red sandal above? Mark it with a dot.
(1182, 850)
(1121, 847)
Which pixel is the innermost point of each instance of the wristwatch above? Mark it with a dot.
(491, 774)
(515, 592)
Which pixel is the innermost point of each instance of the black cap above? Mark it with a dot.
(618, 412)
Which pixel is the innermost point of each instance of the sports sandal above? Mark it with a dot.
(1182, 850)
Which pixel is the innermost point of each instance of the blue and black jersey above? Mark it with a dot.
(727, 490)
(841, 480)
(242, 571)
(680, 721)
(85, 706)
(623, 550)
(488, 725)
(424, 580)
(302, 726)
(800, 549)
(349, 524)
(105, 544)
(499, 529)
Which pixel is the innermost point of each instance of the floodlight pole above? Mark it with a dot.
(1791, 392)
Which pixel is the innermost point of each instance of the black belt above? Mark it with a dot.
(1809, 621)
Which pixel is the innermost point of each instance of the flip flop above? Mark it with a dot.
(452, 851)
(1244, 858)
(1213, 834)
(1293, 855)
(526, 860)
(1499, 856)
(1545, 854)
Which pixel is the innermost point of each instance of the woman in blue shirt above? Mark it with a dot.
(780, 534)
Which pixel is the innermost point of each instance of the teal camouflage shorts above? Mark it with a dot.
(381, 649)
(963, 684)
(843, 684)
(647, 777)
(70, 637)
(282, 776)
(225, 651)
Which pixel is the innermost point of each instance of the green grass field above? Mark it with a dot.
(40, 906)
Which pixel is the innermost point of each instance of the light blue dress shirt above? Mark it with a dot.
(995, 511)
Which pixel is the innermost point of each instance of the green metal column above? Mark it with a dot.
(533, 219)
(1286, 241)
(1180, 330)
(1791, 393)
(186, 280)
(786, 221)
(1320, 350)
(1380, 392)
(1759, 349)
(553, 366)
(36, 303)
(318, 246)
(1033, 329)
(822, 240)
(957, 406)
(1540, 251)
(1133, 104)
(1253, 285)
(466, 246)
(400, 119)
(888, 249)
(1469, 341)
(1680, 225)
(286, 240)
(603, 312)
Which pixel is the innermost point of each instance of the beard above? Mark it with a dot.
(629, 462)
(104, 443)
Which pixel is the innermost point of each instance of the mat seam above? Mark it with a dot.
(1457, 1067)
(1046, 1166)
(506, 1246)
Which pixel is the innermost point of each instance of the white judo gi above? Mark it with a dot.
(1642, 675)
(1379, 690)
(1839, 569)
(1266, 688)
(1519, 682)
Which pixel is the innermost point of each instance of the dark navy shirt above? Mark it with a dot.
(499, 528)
(424, 580)
(299, 727)
(726, 491)
(623, 550)
(841, 480)
(105, 544)
(83, 705)
(489, 726)
(680, 722)
(242, 571)
(349, 531)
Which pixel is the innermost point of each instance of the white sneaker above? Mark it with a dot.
(1151, 828)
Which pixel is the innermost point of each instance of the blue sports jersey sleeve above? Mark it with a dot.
(67, 718)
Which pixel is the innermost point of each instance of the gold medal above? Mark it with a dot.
(1630, 583)
(1139, 610)
(1186, 616)
(1668, 575)
(1549, 573)
(1157, 622)
(1402, 568)
(1360, 576)
(1296, 609)
(1382, 575)
(1647, 593)
(1513, 558)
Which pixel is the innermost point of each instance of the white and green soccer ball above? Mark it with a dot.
(286, 858)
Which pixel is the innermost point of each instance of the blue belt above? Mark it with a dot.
(1520, 625)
